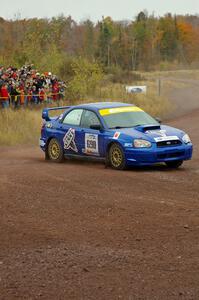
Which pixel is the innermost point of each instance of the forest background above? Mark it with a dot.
(97, 61)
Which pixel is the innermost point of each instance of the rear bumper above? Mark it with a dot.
(144, 157)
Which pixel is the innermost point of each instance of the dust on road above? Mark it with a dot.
(183, 99)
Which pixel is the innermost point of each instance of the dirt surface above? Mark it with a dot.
(80, 231)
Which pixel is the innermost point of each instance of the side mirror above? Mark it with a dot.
(158, 120)
(45, 115)
(96, 127)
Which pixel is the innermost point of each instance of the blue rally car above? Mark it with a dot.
(121, 134)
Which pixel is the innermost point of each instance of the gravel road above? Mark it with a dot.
(80, 231)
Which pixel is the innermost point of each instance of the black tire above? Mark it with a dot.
(175, 164)
(116, 157)
(54, 151)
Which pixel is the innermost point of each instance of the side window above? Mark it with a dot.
(73, 117)
(89, 118)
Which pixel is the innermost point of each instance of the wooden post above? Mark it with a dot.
(159, 87)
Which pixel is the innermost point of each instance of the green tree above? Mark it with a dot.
(105, 39)
(168, 44)
(86, 77)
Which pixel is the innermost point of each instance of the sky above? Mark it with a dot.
(94, 10)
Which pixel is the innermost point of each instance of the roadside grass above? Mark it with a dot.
(170, 76)
(19, 127)
(192, 74)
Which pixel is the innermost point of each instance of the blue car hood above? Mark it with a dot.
(150, 132)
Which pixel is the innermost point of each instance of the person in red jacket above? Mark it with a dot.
(41, 95)
(4, 96)
(55, 91)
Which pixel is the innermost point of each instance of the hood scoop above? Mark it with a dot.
(144, 128)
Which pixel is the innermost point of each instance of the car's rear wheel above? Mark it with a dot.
(54, 151)
(174, 164)
(116, 157)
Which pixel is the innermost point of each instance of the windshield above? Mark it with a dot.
(127, 119)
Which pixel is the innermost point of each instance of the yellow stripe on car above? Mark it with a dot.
(116, 110)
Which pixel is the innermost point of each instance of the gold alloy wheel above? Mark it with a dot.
(116, 157)
(54, 150)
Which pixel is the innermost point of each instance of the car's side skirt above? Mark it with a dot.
(83, 157)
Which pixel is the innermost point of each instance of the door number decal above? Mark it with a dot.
(91, 144)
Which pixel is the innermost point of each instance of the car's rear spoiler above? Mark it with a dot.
(45, 112)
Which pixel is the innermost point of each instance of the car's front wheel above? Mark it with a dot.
(54, 151)
(116, 157)
(174, 164)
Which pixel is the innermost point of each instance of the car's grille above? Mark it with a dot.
(171, 155)
(169, 143)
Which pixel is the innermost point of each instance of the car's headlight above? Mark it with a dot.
(186, 139)
(141, 144)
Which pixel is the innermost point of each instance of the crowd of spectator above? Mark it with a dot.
(26, 86)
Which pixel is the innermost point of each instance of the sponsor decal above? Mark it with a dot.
(162, 136)
(91, 144)
(166, 138)
(69, 140)
(116, 135)
(127, 145)
(116, 110)
(157, 132)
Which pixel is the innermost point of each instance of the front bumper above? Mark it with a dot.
(42, 144)
(153, 155)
